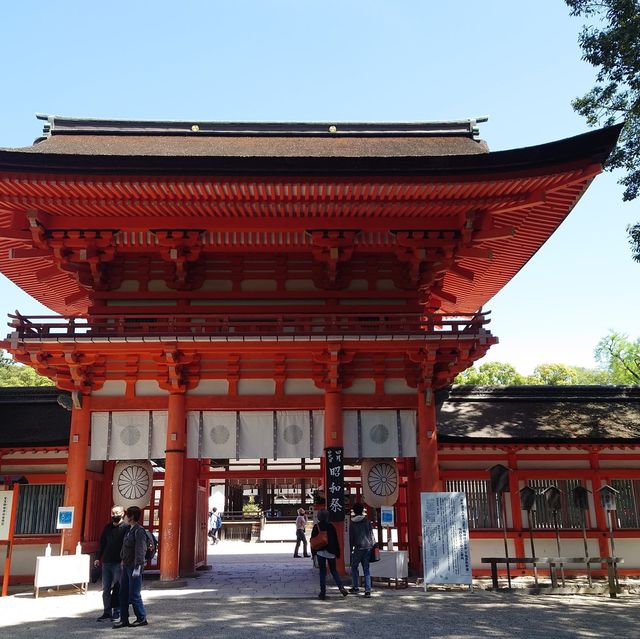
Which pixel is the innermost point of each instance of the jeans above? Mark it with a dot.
(110, 577)
(130, 587)
(300, 537)
(322, 564)
(360, 556)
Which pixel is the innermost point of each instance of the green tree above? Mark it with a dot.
(610, 41)
(561, 374)
(620, 356)
(13, 374)
(491, 374)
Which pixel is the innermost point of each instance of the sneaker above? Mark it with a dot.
(121, 624)
(103, 617)
(139, 622)
(343, 592)
(322, 596)
(367, 594)
(354, 591)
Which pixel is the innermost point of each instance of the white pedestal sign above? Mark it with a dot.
(446, 557)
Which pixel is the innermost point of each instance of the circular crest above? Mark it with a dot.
(130, 435)
(380, 482)
(132, 483)
(219, 434)
(292, 434)
(379, 434)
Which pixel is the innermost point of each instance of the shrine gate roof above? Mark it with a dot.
(268, 186)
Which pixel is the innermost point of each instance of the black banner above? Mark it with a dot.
(334, 483)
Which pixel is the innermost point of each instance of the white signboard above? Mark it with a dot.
(446, 557)
(65, 517)
(6, 504)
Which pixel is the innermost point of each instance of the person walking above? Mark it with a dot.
(328, 554)
(134, 548)
(215, 524)
(109, 555)
(361, 542)
(301, 524)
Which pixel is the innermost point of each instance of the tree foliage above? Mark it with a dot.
(621, 357)
(491, 374)
(610, 41)
(13, 374)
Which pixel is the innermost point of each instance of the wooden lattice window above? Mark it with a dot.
(482, 506)
(569, 516)
(627, 502)
(38, 508)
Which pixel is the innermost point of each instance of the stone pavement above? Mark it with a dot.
(260, 591)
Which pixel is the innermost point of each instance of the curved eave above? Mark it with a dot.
(113, 189)
(594, 146)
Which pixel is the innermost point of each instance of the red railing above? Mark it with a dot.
(239, 325)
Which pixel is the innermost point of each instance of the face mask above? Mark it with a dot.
(116, 520)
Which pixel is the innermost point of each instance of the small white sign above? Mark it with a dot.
(6, 505)
(387, 518)
(446, 556)
(65, 517)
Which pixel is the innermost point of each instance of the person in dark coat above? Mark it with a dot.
(109, 555)
(134, 548)
(328, 554)
(361, 541)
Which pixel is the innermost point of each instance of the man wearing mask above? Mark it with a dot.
(109, 554)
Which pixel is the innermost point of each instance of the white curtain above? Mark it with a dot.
(125, 435)
(377, 434)
(214, 436)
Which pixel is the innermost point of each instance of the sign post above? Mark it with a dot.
(446, 557)
(8, 508)
(64, 520)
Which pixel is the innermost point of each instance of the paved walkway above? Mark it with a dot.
(259, 591)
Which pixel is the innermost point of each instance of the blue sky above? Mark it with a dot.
(518, 63)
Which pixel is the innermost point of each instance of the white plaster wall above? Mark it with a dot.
(488, 548)
(112, 388)
(301, 387)
(398, 387)
(256, 387)
(23, 559)
(211, 387)
(149, 388)
(300, 285)
(361, 387)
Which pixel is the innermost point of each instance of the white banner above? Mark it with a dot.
(377, 434)
(6, 504)
(128, 434)
(446, 556)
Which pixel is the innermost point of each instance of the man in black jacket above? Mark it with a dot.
(110, 547)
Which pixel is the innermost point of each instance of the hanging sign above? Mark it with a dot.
(133, 483)
(334, 483)
(387, 518)
(446, 556)
(6, 504)
(380, 482)
(65, 517)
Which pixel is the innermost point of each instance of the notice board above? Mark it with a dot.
(446, 556)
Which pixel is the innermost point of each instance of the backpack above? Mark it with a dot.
(152, 546)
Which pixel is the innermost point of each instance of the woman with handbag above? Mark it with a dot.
(361, 542)
(324, 543)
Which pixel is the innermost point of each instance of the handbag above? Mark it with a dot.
(320, 541)
(374, 555)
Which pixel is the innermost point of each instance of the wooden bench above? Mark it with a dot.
(553, 563)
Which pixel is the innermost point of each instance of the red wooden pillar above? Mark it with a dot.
(414, 526)
(516, 512)
(74, 492)
(333, 436)
(190, 475)
(428, 443)
(172, 492)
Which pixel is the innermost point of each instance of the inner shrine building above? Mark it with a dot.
(233, 299)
